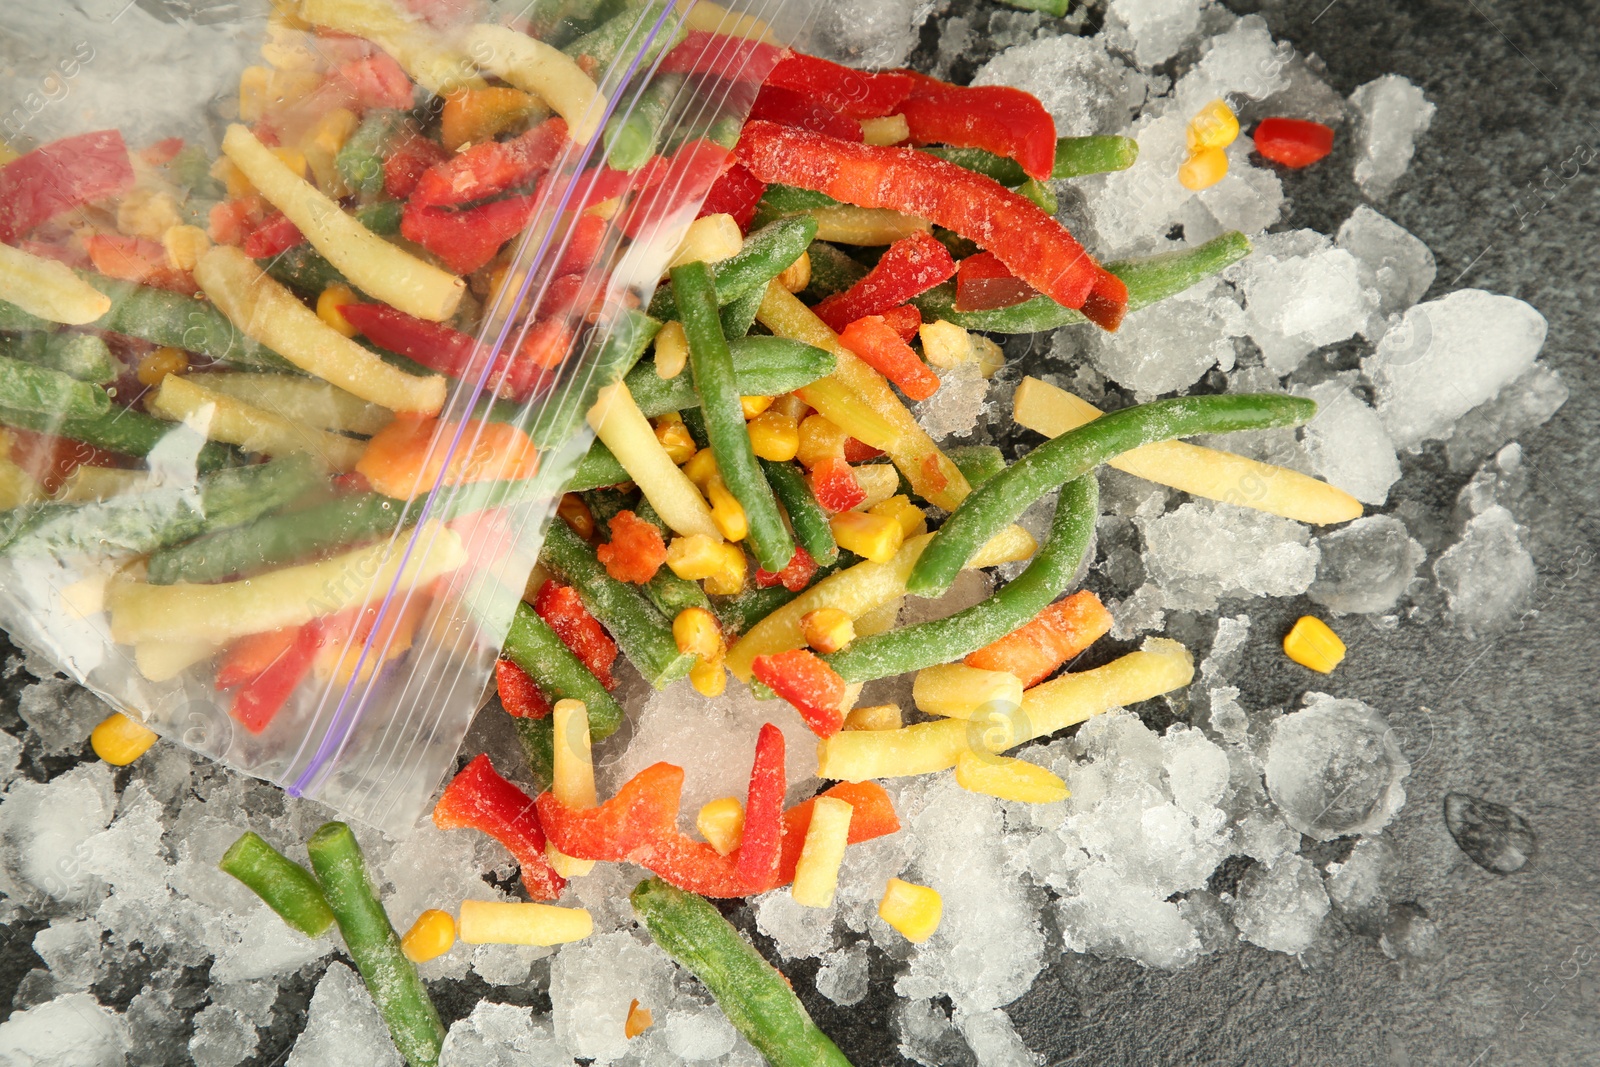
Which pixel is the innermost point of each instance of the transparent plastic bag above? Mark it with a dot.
(292, 546)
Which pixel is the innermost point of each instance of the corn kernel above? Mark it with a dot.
(728, 580)
(253, 90)
(877, 717)
(697, 633)
(774, 435)
(429, 937)
(914, 910)
(1311, 643)
(945, 345)
(820, 439)
(709, 677)
(797, 275)
(1203, 169)
(694, 557)
(790, 404)
(184, 246)
(672, 350)
(991, 357)
(119, 740)
(701, 468)
(675, 437)
(228, 173)
(1008, 779)
(873, 537)
(575, 513)
(816, 875)
(709, 238)
(638, 1021)
(7, 153)
(160, 363)
(878, 481)
(721, 822)
(754, 405)
(496, 922)
(322, 145)
(827, 629)
(332, 299)
(148, 213)
(292, 158)
(900, 508)
(958, 691)
(606, 209)
(1214, 126)
(726, 511)
(889, 130)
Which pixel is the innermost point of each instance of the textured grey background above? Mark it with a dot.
(1507, 718)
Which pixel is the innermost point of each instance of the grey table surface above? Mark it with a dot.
(1506, 717)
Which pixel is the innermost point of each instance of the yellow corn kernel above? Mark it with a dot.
(694, 557)
(1311, 643)
(322, 145)
(148, 213)
(728, 579)
(672, 350)
(228, 173)
(791, 405)
(160, 363)
(879, 481)
(914, 910)
(991, 357)
(726, 511)
(709, 239)
(1203, 169)
(874, 537)
(816, 875)
(1008, 779)
(877, 717)
(7, 153)
(253, 90)
(674, 437)
(1214, 126)
(429, 937)
(721, 822)
(701, 468)
(754, 405)
(827, 629)
(697, 633)
(184, 246)
(944, 344)
(575, 513)
(292, 158)
(797, 275)
(709, 677)
(332, 299)
(638, 1021)
(889, 130)
(774, 435)
(900, 508)
(820, 439)
(957, 691)
(494, 922)
(120, 740)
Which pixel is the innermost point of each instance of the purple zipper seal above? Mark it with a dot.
(341, 726)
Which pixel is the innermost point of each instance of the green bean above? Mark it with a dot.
(1000, 500)
(911, 648)
(78, 355)
(133, 433)
(604, 503)
(762, 366)
(191, 168)
(369, 937)
(1076, 157)
(767, 252)
(142, 522)
(832, 271)
(712, 365)
(1148, 280)
(360, 161)
(13, 318)
(739, 314)
(642, 633)
(282, 884)
(755, 997)
(560, 675)
(1041, 194)
(381, 216)
(1054, 8)
(978, 462)
(172, 319)
(780, 201)
(806, 517)
(597, 468)
(303, 269)
(633, 132)
(28, 387)
(627, 29)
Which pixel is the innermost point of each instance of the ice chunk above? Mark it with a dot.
(1410, 936)
(1488, 576)
(954, 409)
(1227, 718)
(10, 758)
(1300, 293)
(44, 830)
(264, 945)
(1492, 835)
(1110, 916)
(343, 1027)
(506, 964)
(1347, 444)
(842, 978)
(993, 1040)
(1230, 638)
(61, 712)
(1447, 356)
(872, 35)
(928, 1036)
(1366, 566)
(593, 982)
(798, 931)
(1359, 887)
(1305, 96)
(698, 1036)
(1394, 113)
(1248, 199)
(1281, 906)
(1528, 401)
(1202, 552)
(1153, 30)
(69, 1031)
(1242, 61)
(502, 1035)
(1334, 768)
(1085, 89)
(1394, 262)
(223, 1039)
(72, 952)
(1196, 770)
(1167, 346)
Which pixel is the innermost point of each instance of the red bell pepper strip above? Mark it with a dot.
(905, 320)
(259, 699)
(583, 244)
(858, 452)
(996, 118)
(272, 238)
(910, 267)
(466, 240)
(1295, 143)
(733, 58)
(50, 460)
(161, 153)
(1035, 649)
(815, 689)
(479, 799)
(785, 106)
(683, 180)
(491, 168)
(834, 485)
(871, 816)
(636, 550)
(375, 81)
(880, 348)
(761, 845)
(138, 259)
(60, 176)
(519, 694)
(856, 94)
(643, 808)
(541, 350)
(983, 283)
(736, 193)
(1030, 242)
(558, 605)
(796, 574)
(600, 184)
(1107, 302)
(438, 347)
(250, 656)
(409, 159)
